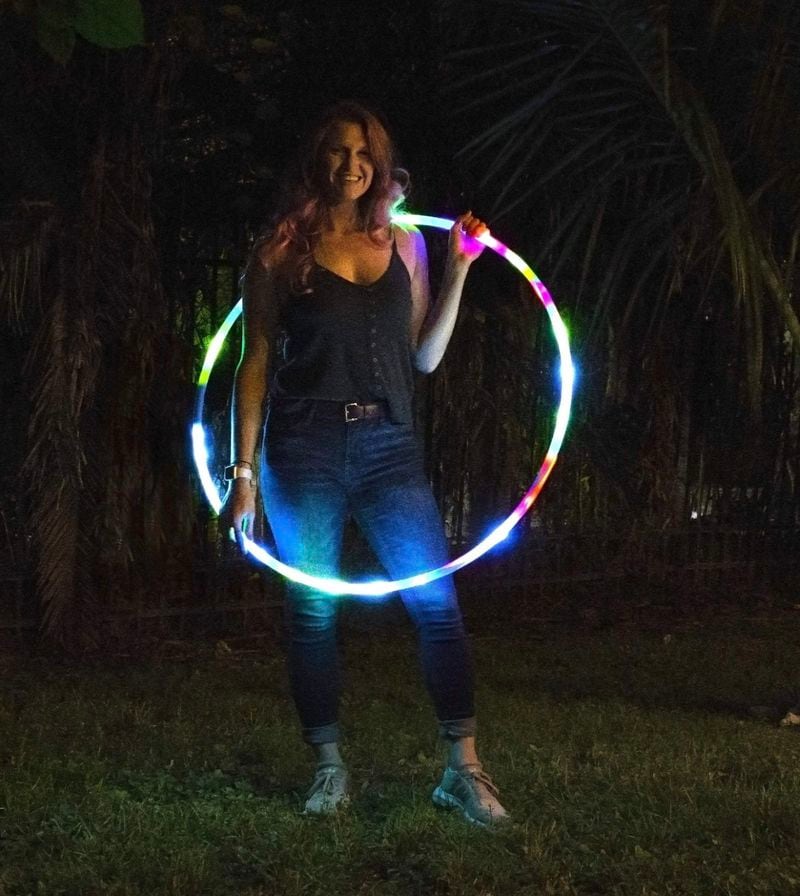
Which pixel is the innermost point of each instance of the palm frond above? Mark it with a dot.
(606, 84)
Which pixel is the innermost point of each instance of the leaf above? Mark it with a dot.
(56, 42)
(55, 28)
(635, 128)
(263, 45)
(113, 24)
(232, 11)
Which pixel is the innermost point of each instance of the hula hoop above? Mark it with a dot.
(380, 587)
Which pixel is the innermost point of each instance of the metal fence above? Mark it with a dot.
(695, 556)
(228, 594)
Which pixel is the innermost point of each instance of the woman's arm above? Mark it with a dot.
(259, 311)
(432, 327)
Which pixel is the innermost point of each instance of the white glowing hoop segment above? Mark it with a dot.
(379, 587)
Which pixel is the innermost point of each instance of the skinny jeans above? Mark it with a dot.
(316, 472)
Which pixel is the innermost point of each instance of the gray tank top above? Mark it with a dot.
(348, 342)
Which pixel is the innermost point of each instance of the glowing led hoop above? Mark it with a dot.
(380, 587)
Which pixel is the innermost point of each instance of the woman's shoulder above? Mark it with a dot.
(410, 243)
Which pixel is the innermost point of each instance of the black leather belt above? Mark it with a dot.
(349, 412)
(354, 411)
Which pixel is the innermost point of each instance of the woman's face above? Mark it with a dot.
(349, 166)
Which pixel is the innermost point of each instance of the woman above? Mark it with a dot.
(350, 292)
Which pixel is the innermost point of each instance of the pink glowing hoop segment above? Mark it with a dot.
(380, 587)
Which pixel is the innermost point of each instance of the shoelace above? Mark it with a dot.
(479, 775)
(324, 780)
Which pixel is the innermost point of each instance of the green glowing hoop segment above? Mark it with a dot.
(379, 587)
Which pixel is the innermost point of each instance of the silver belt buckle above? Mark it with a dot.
(347, 417)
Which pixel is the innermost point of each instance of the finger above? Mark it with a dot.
(236, 534)
(471, 225)
(243, 533)
(477, 229)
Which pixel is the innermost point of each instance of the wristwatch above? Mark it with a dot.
(235, 471)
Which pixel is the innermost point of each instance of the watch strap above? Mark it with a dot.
(236, 471)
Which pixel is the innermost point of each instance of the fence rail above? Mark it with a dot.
(228, 594)
(701, 555)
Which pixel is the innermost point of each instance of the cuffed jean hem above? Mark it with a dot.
(322, 734)
(454, 729)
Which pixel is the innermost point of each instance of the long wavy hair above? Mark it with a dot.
(287, 247)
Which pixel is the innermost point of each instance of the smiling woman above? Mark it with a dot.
(349, 290)
(350, 163)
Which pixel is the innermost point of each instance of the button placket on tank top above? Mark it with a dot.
(372, 313)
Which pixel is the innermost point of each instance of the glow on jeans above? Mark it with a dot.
(380, 587)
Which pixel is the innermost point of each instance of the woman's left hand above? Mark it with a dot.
(464, 246)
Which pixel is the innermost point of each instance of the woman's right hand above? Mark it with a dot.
(239, 510)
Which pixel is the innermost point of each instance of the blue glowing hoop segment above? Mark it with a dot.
(379, 587)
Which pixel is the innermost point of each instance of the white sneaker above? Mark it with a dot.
(329, 791)
(470, 790)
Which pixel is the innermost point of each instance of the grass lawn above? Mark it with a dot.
(641, 757)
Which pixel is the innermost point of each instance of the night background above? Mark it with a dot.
(637, 633)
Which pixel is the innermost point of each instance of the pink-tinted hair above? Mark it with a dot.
(288, 249)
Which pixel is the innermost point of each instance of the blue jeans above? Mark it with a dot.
(315, 472)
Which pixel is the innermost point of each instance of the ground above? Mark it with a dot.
(636, 742)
